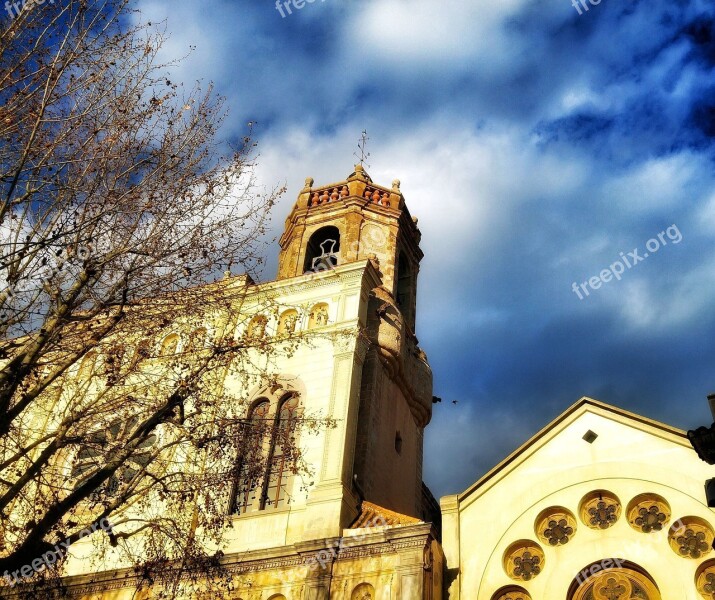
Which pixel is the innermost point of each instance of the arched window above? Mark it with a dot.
(279, 476)
(364, 591)
(602, 581)
(267, 453)
(257, 327)
(318, 316)
(169, 345)
(322, 250)
(287, 322)
(247, 490)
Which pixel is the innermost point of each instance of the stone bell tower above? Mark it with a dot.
(350, 221)
(353, 221)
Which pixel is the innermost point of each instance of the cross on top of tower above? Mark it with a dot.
(362, 144)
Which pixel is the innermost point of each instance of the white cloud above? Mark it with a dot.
(706, 216)
(660, 183)
(425, 31)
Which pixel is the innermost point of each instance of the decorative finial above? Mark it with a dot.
(308, 183)
(362, 144)
(396, 185)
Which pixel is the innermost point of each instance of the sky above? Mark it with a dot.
(539, 144)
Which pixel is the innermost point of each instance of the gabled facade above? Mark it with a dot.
(602, 504)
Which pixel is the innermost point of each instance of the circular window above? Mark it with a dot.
(512, 592)
(648, 513)
(523, 560)
(555, 526)
(705, 580)
(603, 581)
(600, 509)
(691, 537)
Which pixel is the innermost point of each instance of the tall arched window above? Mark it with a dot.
(267, 454)
(247, 490)
(278, 480)
(322, 250)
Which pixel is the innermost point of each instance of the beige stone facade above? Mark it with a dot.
(600, 505)
(347, 275)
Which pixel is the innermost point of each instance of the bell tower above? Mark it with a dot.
(354, 220)
(357, 220)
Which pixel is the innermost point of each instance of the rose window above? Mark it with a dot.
(650, 519)
(691, 537)
(555, 526)
(648, 513)
(524, 560)
(600, 509)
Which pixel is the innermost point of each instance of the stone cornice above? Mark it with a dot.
(348, 275)
(371, 543)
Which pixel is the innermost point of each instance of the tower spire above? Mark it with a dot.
(362, 147)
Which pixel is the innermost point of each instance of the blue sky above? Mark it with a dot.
(535, 145)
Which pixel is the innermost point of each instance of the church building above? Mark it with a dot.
(601, 504)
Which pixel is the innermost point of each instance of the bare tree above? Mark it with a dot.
(117, 207)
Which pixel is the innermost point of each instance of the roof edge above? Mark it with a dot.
(583, 402)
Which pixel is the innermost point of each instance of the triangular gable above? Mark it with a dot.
(583, 406)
